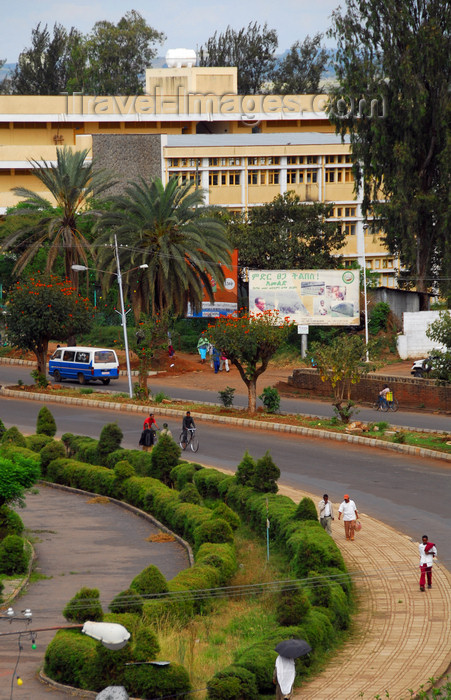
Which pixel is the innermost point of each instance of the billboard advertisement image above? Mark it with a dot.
(307, 297)
(225, 300)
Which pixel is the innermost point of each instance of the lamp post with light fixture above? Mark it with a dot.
(365, 228)
(80, 268)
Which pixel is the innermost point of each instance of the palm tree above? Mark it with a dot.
(71, 182)
(168, 229)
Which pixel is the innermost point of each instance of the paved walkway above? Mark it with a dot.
(78, 543)
(401, 637)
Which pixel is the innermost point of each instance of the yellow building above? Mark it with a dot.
(242, 149)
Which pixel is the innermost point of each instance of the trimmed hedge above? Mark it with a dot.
(149, 581)
(85, 605)
(207, 482)
(68, 656)
(157, 682)
(37, 442)
(13, 555)
(10, 522)
(233, 683)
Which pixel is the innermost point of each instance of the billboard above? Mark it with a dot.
(307, 297)
(225, 300)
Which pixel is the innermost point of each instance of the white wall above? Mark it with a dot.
(414, 343)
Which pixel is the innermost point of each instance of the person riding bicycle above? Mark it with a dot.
(187, 424)
(383, 395)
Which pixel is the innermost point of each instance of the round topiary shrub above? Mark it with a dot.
(13, 556)
(127, 601)
(306, 510)
(13, 436)
(265, 475)
(10, 522)
(45, 424)
(222, 510)
(149, 581)
(245, 470)
(68, 656)
(292, 606)
(146, 681)
(189, 494)
(37, 442)
(85, 605)
(233, 683)
(164, 457)
(145, 647)
(123, 470)
(54, 450)
(217, 530)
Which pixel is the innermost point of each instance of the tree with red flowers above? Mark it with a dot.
(249, 341)
(42, 308)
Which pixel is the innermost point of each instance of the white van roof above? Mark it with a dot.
(84, 348)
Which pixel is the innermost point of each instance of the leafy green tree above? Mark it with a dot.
(110, 440)
(42, 308)
(151, 337)
(114, 57)
(251, 49)
(397, 53)
(164, 457)
(167, 229)
(249, 341)
(72, 182)
(440, 332)
(43, 68)
(265, 475)
(287, 234)
(17, 475)
(245, 470)
(306, 510)
(342, 363)
(299, 72)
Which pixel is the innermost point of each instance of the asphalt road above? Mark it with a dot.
(410, 494)
(9, 374)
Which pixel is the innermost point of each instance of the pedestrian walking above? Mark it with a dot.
(348, 510)
(202, 348)
(147, 439)
(283, 677)
(224, 362)
(326, 513)
(215, 356)
(428, 552)
(165, 430)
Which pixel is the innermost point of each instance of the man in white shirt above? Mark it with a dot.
(348, 510)
(428, 552)
(326, 513)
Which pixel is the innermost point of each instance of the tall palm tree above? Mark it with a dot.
(168, 229)
(72, 182)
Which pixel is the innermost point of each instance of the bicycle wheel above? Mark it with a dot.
(394, 405)
(194, 443)
(376, 405)
(384, 406)
(182, 442)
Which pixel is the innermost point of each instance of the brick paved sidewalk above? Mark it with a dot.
(401, 637)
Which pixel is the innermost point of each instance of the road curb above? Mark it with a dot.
(241, 422)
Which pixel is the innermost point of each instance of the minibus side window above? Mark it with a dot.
(82, 357)
(57, 355)
(69, 355)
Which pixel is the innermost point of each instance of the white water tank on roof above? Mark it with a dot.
(180, 58)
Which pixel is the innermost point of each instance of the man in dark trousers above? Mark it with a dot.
(147, 438)
(188, 423)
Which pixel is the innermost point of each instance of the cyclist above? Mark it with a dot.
(383, 395)
(150, 422)
(187, 424)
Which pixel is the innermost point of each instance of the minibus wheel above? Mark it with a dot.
(56, 376)
(81, 378)
(105, 382)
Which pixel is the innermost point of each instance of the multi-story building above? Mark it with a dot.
(242, 150)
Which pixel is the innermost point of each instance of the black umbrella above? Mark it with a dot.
(293, 648)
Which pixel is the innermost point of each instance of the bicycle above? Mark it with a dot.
(384, 404)
(191, 440)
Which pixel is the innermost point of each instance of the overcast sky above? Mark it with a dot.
(186, 24)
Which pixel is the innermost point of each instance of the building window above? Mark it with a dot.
(252, 177)
(213, 161)
(349, 211)
(234, 178)
(312, 159)
(213, 179)
(377, 264)
(291, 177)
(173, 162)
(223, 178)
(348, 159)
(292, 160)
(263, 177)
(330, 159)
(338, 211)
(311, 175)
(349, 177)
(273, 177)
(349, 229)
(339, 175)
(330, 175)
(252, 161)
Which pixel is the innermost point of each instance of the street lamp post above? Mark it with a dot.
(365, 228)
(80, 268)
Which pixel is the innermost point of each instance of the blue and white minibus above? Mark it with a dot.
(84, 364)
